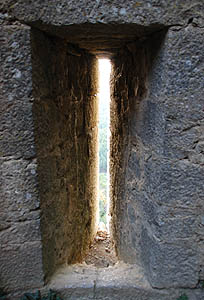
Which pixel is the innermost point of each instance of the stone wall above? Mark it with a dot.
(48, 154)
(129, 91)
(65, 114)
(20, 237)
(156, 166)
(142, 13)
(48, 118)
(175, 169)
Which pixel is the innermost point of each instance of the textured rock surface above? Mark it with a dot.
(65, 113)
(122, 281)
(177, 165)
(157, 125)
(48, 130)
(48, 134)
(127, 20)
(88, 282)
(104, 11)
(20, 237)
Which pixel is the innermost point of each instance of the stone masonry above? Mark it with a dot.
(48, 140)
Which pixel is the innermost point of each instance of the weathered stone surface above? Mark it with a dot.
(48, 167)
(175, 182)
(20, 237)
(21, 265)
(19, 191)
(16, 125)
(119, 282)
(127, 20)
(141, 12)
(49, 201)
(129, 87)
(169, 264)
(65, 113)
(157, 136)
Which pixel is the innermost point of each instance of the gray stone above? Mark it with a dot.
(16, 124)
(140, 12)
(16, 184)
(169, 265)
(65, 122)
(18, 264)
(163, 181)
(20, 234)
(122, 281)
(48, 142)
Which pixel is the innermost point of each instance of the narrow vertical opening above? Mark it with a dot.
(102, 251)
(104, 133)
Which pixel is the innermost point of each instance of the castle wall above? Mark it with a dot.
(65, 126)
(20, 236)
(48, 136)
(156, 156)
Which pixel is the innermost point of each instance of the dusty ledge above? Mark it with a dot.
(121, 281)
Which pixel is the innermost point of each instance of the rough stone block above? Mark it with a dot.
(16, 123)
(168, 264)
(157, 135)
(65, 124)
(159, 199)
(19, 191)
(141, 12)
(21, 266)
(20, 233)
(175, 183)
(122, 281)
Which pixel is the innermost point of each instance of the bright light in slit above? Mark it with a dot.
(104, 133)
